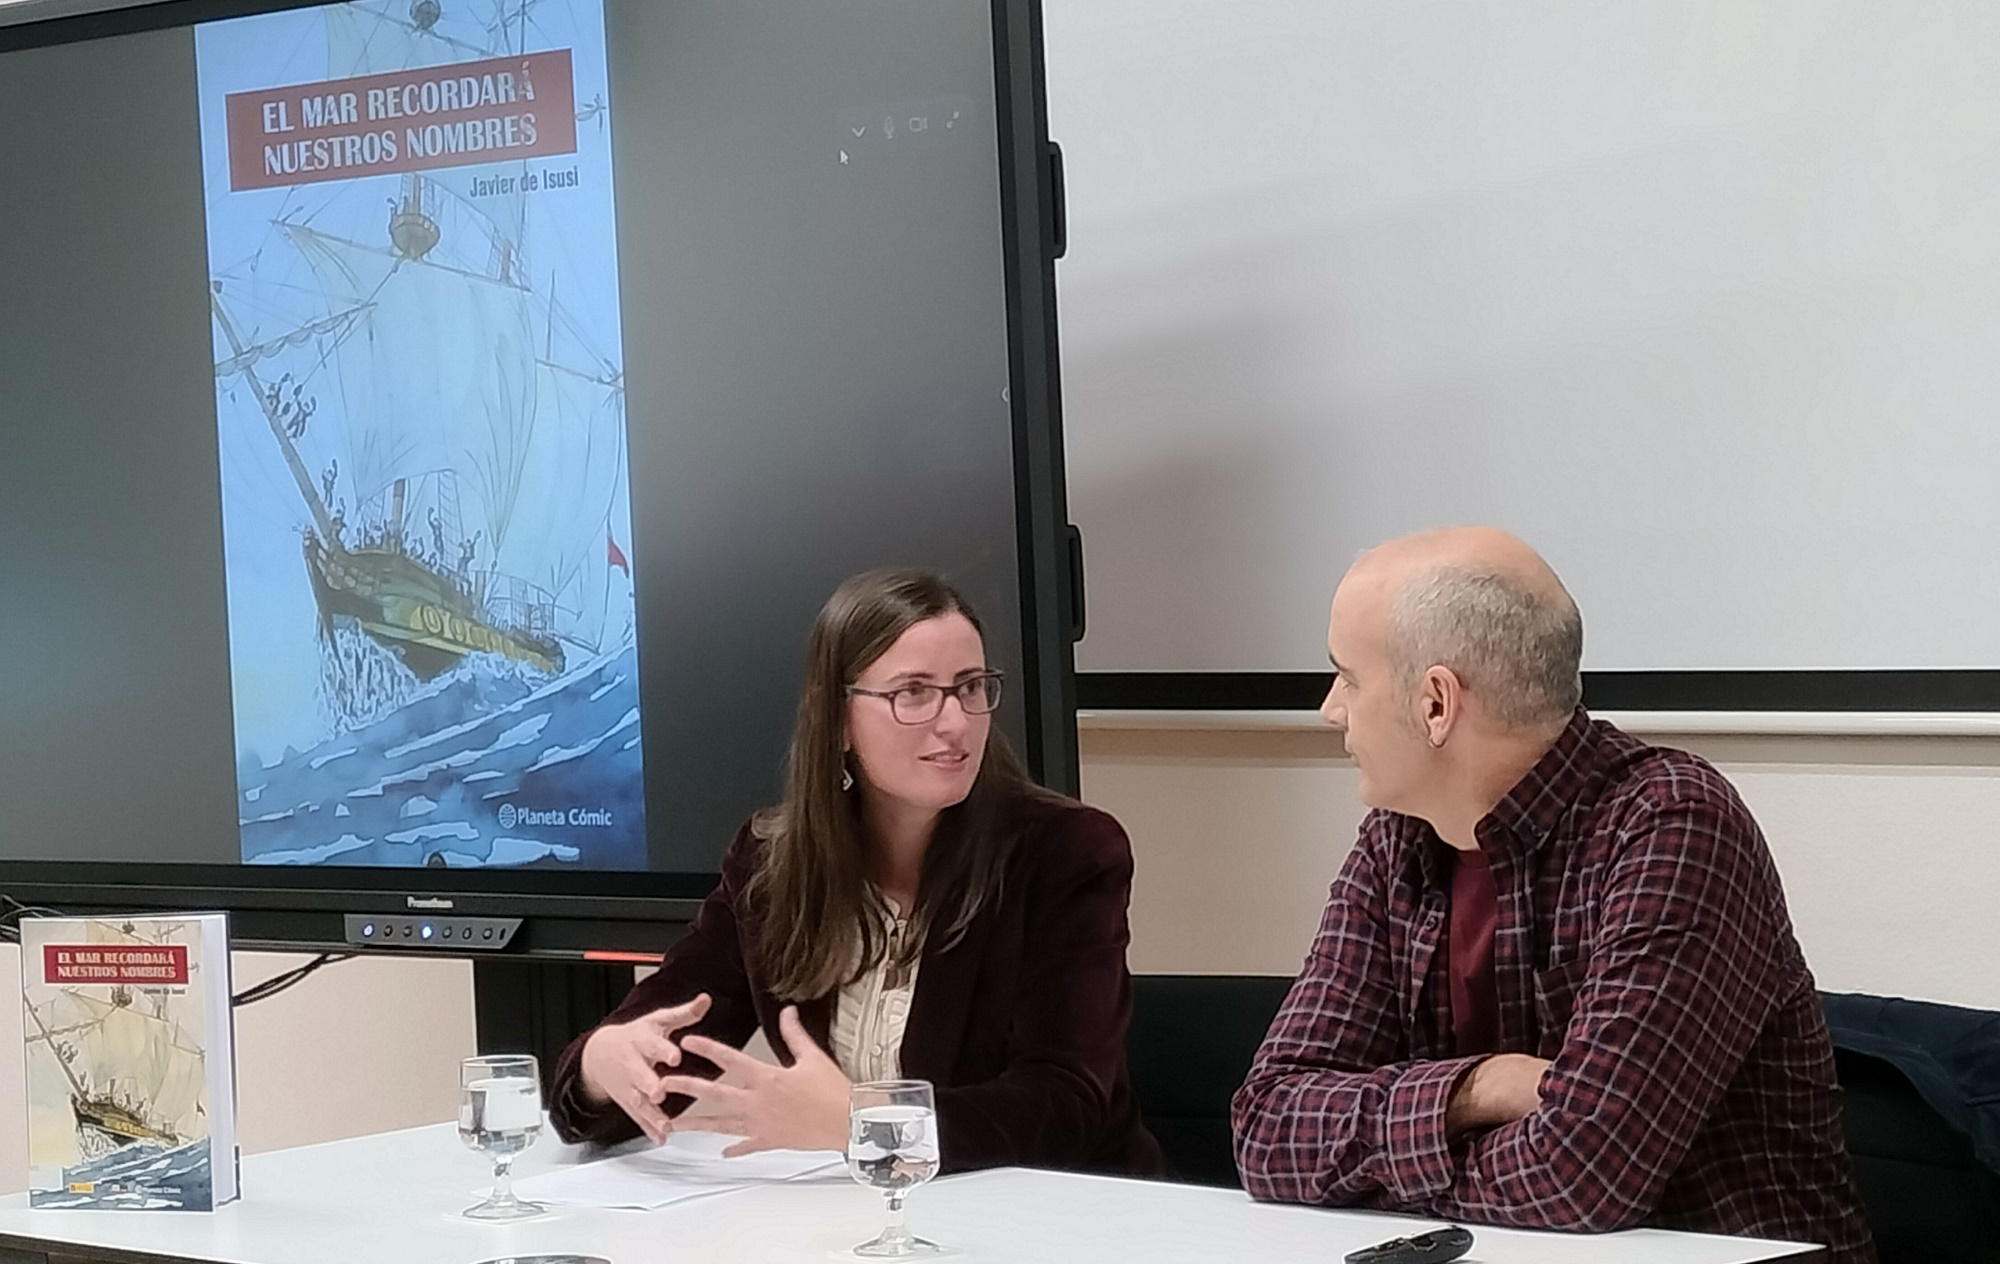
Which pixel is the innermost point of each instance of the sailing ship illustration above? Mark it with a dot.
(455, 443)
(134, 1074)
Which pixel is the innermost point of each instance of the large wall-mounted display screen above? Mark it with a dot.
(428, 427)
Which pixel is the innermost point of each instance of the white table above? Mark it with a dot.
(390, 1199)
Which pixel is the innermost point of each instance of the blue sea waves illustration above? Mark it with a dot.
(485, 766)
(137, 1177)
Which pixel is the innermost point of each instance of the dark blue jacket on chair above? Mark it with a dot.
(1922, 1105)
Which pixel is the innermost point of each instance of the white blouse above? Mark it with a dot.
(870, 1013)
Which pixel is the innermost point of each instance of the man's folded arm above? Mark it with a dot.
(1679, 984)
(1352, 1138)
(1333, 1111)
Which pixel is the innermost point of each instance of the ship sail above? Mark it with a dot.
(574, 471)
(135, 1073)
(158, 1074)
(462, 439)
(436, 375)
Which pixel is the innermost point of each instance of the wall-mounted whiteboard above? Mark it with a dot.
(1700, 296)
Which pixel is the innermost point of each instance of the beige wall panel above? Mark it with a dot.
(1236, 836)
(1890, 850)
(1889, 847)
(363, 1046)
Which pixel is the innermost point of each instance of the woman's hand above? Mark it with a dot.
(799, 1107)
(621, 1063)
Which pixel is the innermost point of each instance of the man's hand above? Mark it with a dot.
(799, 1107)
(1505, 1087)
(621, 1063)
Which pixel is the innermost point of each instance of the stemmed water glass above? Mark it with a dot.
(892, 1145)
(500, 1115)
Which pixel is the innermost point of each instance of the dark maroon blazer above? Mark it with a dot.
(1020, 1025)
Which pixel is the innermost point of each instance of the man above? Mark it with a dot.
(1556, 984)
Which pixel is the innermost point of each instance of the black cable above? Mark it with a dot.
(291, 978)
(269, 987)
(279, 982)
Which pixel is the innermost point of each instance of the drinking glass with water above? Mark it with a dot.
(892, 1145)
(500, 1115)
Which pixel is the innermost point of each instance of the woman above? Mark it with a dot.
(914, 908)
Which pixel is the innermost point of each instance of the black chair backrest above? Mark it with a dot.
(1929, 1198)
(1189, 1047)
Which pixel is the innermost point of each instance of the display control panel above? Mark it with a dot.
(421, 930)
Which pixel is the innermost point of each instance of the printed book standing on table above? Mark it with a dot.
(130, 1062)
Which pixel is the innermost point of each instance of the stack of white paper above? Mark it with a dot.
(689, 1165)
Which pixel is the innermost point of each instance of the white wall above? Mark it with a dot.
(1698, 296)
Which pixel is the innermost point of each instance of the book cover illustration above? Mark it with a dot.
(421, 424)
(130, 1063)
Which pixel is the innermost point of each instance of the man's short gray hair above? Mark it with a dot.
(1515, 644)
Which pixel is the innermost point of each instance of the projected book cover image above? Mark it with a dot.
(130, 1062)
(421, 423)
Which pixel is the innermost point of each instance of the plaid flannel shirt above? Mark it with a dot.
(1643, 945)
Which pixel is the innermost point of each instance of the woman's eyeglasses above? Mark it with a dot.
(922, 703)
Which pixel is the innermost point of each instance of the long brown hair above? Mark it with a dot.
(818, 922)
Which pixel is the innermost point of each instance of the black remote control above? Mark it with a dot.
(1435, 1247)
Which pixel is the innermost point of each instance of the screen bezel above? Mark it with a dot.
(571, 913)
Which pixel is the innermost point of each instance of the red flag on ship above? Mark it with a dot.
(616, 556)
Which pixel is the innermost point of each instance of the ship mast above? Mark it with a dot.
(55, 1051)
(292, 461)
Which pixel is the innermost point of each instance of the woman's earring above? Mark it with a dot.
(846, 778)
